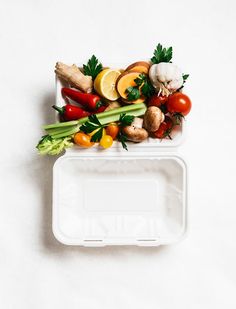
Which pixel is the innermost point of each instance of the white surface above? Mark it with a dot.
(113, 200)
(38, 272)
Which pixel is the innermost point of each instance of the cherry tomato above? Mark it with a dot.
(106, 141)
(165, 128)
(157, 100)
(179, 103)
(83, 140)
(112, 129)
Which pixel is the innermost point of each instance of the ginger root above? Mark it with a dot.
(74, 77)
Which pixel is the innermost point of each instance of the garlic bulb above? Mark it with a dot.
(166, 77)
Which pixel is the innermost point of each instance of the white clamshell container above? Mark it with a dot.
(115, 197)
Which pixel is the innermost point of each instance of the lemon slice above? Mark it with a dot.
(105, 84)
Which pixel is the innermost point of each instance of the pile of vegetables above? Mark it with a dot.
(102, 104)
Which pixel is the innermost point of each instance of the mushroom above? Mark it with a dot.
(135, 132)
(153, 118)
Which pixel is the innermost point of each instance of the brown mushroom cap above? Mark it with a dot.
(153, 118)
(135, 134)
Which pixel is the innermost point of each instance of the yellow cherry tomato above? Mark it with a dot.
(106, 141)
(83, 140)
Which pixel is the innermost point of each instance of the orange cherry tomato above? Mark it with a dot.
(83, 140)
(112, 129)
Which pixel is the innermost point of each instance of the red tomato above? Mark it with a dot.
(179, 103)
(165, 128)
(157, 100)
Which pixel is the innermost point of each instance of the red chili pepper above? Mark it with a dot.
(90, 101)
(71, 112)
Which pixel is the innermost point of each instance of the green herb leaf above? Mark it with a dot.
(162, 54)
(123, 139)
(93, 67)
(93, 118)
(185, 77)
(147, 89)
(126, 120)
(88, 127)
(91, 125)
(140, 79)
(145, 85)
(97, 136)
(132, 93)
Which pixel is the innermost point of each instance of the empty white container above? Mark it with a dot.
(115, 197)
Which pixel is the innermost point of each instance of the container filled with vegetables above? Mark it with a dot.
(105, 107)
(118, 183)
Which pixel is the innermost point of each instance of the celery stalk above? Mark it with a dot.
(63, 132)
(116, 111)
(69, 132)
(61, 124)
(121, 110)
(114, 118)
(59, 130)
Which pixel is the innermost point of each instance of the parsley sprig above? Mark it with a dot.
(162, 54)
(143, 86)
(133, 93)
(91, 125)
(122, 139)
(125, 120)
(93, 67)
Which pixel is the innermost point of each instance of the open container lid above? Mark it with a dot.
(114, 197)
(119, 200)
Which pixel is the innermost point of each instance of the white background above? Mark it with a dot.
(38, 272)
